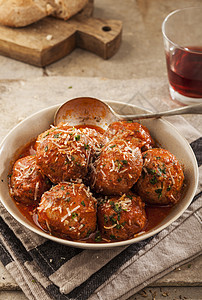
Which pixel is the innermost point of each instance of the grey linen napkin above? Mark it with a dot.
(46, 270)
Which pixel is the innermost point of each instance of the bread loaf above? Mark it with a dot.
(65, 9)
(19, 13)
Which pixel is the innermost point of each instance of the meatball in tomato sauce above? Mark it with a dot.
(96, 138)
(162, 177)
(137, 130)
(27, 182)
(63, 153)
(120, 218)
(117, 168)
(68, 210)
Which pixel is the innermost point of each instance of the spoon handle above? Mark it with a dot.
(191, 109)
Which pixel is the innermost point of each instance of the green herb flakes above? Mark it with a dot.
(159, 192)
(98, 237)
(74, 215)
(153, 180)
(77, 137)
(86, 146)
(112, 237)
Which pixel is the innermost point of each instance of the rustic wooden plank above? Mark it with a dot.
(50, 39)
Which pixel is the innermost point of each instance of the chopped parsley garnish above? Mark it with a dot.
(62, 187)
(56, 135)
(86, 146)
(153, 180)
(72, 158)
(118, 226)
(105, 218)
(112, 237)
(112, 146)
(46, 149)
(45, 135)
(120, 163)
(159, 192)
(83, 203)
(125, 162)
(151, 171)
(98, 237)
(74, 215)
(77, 137)
(112, 219)
(116, 207)
(162, 170)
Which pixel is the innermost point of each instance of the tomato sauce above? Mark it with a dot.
(155, 215)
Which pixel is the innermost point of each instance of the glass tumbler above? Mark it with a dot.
(182, 34)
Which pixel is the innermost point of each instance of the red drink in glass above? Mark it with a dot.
(182, 36)
(185, 71)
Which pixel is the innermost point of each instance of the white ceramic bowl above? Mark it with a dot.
(161, 130)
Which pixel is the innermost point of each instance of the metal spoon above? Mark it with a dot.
(86, 110)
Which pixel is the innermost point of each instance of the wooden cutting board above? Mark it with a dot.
(50, 39)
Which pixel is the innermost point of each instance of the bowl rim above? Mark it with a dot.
(97, 246)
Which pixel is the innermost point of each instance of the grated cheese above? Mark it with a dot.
(36, 190)
(173, 181)
(110, 227)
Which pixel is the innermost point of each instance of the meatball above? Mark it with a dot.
(130, 138)
(49, 131)
(27, 182)
(139, 131)
(162, 177)
(96, 138)
(117, 168)
(63, 153)
(68, 210)
(120, 218)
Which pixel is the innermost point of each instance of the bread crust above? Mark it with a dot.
(20, 13)
(65, 9)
